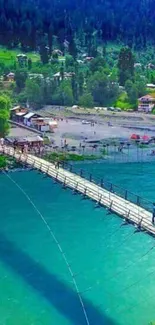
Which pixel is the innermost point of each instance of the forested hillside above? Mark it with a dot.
(87, 22)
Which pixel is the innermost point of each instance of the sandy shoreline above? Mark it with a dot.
(71, 129)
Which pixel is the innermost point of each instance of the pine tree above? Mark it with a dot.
(72, 48)
(62, 72)
(44, 51)
(81, 83)
(74, 87)
(29, 64)
(125, 65)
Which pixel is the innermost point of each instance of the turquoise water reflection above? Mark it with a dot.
(114, 273)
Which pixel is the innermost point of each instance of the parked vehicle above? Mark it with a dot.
(112, 109)
(86, 122)
(117, 109)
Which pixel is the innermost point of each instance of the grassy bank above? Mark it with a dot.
(9, 162)
(55, 156)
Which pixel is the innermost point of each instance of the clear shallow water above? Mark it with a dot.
(138, 178)
(114, 277)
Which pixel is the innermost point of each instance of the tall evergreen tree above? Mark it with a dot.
(81, 83)
(62, 71)
(72, 48)
(125, 65)
(29, 64)
(4, 115)
(44, 51)
(74, 87)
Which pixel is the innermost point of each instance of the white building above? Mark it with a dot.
(146, 104)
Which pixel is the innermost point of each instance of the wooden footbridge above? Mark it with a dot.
(129, 211)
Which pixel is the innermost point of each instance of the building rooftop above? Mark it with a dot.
(35, 138)
(20, 114)
(29, 115)
(15, 108)
(36, 75)
(21, 55)
(150, 85)
(11, 74)
(146, 97)
(66, 74)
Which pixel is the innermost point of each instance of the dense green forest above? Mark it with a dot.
(120, 49)
(109, 79)
(83, 23)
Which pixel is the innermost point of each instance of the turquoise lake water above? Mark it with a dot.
(113, 265)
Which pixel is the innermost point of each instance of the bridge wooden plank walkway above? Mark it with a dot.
(130, 211)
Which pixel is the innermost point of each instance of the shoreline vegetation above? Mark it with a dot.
(10, 163)
(72, 157)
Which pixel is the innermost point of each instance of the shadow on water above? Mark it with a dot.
(57, 293)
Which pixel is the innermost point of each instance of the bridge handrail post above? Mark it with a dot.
(111, 187)
(138, 200)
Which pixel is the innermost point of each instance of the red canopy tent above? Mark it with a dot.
(145, 137)
(135, 136)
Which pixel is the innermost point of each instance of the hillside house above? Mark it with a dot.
(28, 118)
(137, 65)
(146, 104)
(22, 60)
(150, 66)
(34, 76)
(89, 58)
(58, 52)
(17, 112)
(150, 86)
(10, 77)
(67, 75)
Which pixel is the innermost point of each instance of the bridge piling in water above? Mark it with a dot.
(133, 212)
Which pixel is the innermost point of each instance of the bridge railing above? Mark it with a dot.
(131, 213)
(113, 188)
(135, 216)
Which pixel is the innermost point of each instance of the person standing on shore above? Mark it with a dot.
(153, 214)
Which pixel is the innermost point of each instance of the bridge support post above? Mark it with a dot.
(101, 183)
(90, 177)
(111, 188)
(56, 178)
(81, 172)
(99, 204)
(138, 200)
(40, 167)
(64, 184)
(84, 194)
(126, 195)
(110, 206)
(75, 189)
